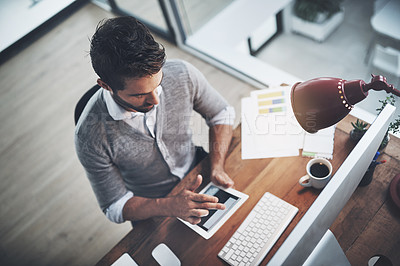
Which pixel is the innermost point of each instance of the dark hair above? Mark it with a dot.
(124, 48)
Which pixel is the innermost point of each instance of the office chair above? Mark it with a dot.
(388, 60)
(83, 101)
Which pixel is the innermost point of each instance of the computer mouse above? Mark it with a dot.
(164, 256)
(125, 260)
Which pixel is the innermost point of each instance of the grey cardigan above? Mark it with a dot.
(117, 158)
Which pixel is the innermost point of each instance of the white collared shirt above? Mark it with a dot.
(145, 122)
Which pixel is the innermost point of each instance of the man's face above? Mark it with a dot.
(139, 95)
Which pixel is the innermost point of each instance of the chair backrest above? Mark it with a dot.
(83, 101)
(387, 59)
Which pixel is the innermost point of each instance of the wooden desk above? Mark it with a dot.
(253, 177)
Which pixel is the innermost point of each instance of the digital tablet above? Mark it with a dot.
(209, 224)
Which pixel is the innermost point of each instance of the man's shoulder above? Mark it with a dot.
(180, 71)
(92, 118)
(175, 65)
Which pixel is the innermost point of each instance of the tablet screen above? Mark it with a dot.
(209, 224)
(215, 216)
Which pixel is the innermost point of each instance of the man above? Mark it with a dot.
(133, 137)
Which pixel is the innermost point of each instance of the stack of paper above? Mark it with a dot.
(319, 144)
(270, 129)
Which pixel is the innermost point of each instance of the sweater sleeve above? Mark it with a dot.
(115, 211)
(225, 117)
(104, 176)
(207, 101)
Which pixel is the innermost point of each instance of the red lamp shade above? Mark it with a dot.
(322, 102)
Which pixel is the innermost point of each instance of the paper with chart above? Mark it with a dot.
(270, 129)
(271, 101)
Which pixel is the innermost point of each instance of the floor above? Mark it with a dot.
(340, 55)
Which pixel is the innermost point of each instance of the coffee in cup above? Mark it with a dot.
(319, 172)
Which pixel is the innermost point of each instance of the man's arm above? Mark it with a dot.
(219, 117)
(187, 205)
(220, 137)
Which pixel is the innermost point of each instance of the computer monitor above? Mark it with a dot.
(323, 212)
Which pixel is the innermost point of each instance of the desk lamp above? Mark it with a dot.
(322, 102)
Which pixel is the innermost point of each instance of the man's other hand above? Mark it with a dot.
(191, 206)
(221, 178)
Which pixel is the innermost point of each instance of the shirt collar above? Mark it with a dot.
(117, 112)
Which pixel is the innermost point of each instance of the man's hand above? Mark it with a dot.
(187, 205)
(221, 178)
(191, 206)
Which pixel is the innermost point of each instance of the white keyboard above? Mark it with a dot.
(259, 231)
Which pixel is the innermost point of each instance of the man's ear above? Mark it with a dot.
(104, 85)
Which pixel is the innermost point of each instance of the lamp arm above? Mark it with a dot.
(379, 83)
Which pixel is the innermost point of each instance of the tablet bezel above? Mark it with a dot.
(207, 234)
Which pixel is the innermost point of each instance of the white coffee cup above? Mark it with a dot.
(319, 172)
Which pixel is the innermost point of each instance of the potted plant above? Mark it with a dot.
(317, 18)
(359, 129)
(394, 126)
